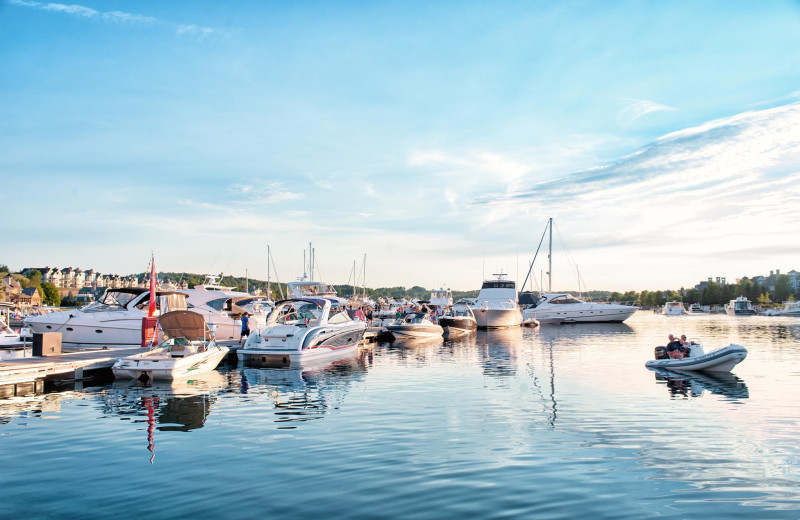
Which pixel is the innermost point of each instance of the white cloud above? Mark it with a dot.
(121, 17)
(640, 108)
(261, 191)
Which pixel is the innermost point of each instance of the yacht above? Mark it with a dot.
(789, 309)
(114, 320)
(187, 349)
(414, 325)
(496, 304)
(695, 308)
(740, 307)
(673, 309)
(565, 308)
(441, 298)
(302, 329)
(7, 334)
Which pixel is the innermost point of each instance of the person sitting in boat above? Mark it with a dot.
(686, 345)
(674, 348)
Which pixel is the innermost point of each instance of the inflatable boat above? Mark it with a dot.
(721, 360)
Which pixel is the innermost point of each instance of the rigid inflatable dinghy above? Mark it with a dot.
(721, 360)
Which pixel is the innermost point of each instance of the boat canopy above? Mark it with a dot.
(184, 324)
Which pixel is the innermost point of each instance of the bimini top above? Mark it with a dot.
(184, 324)
(320, 302)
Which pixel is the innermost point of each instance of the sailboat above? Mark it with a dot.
(552, 307)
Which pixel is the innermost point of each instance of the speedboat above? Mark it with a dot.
(720, 360)
(740, 307)
(114, 320)
(673, 309)
(414, 325)
(565, 308)
(302, 329)
(187, 348)
(459, 320)
(496, 304)
(7, 334)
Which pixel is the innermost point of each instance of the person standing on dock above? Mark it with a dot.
(245, 325)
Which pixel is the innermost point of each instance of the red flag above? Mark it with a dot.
(152, 307)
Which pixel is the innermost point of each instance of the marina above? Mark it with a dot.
(514, 420)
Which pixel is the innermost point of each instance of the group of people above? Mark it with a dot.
(678, 348)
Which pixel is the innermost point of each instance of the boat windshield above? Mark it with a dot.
(111, 300)
(314, 289)
(296, 313)
(565, 298)
(742, 305)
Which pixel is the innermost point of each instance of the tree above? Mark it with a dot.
(51, 296)
(712, 294)
(783, 288)
(764, 298)
(4, 268)
(34, 278)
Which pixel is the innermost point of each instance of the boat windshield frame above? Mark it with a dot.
(303, 310)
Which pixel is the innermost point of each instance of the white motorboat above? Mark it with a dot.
(790, 309)
(740, 307)
(7, 334)
(414, 325)
(695, 308)
(673, 309)
(302, 329)
(441, 298)
(565, 308)
(187, 348)
(458, 320)
(114, 320)
(720, 360)
(496, 304)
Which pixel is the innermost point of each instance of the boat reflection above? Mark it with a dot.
(685, 385)
(575, 331)
(497, 351)
(305, 393)
(178, 405)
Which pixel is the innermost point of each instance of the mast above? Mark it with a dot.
(364, 280)
(550, 260)
(305, 273)
(246, 281)
(355, 283)
(269, 291)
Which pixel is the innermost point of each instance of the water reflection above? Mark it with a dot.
(305, 393)
(685, 385)
(497, 351)
(577, 331)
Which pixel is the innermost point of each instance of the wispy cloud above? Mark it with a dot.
(120, 17)
(636, 109)
(262, 191)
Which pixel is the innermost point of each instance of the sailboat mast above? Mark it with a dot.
(364, 281)
(269, 291)
(246, 281)
(355, 283)
(550, 260)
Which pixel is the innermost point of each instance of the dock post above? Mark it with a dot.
(78, 373)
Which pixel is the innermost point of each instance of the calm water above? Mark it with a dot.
(562, 422)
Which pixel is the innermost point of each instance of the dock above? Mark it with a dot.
(75, 362)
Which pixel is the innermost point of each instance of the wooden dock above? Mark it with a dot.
(71, 362)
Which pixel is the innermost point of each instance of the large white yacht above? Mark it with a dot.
(565, 308)
(496, 304)
(441, 298)
(114, 320)
(740, 307)
(301, 329)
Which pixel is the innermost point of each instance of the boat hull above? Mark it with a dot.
(497, 318)
(590, 315)
(163, 368)
(722, 360)
(415, 331)
(457, 326)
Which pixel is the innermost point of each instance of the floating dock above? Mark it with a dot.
(27, 369)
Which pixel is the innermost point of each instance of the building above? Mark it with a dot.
(29, 297)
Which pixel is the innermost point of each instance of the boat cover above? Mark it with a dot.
(184, 324)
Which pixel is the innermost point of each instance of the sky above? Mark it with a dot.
(436, 138)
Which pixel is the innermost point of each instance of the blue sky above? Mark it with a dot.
(437, 138)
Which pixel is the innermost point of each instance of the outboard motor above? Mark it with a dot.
(661, 353)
